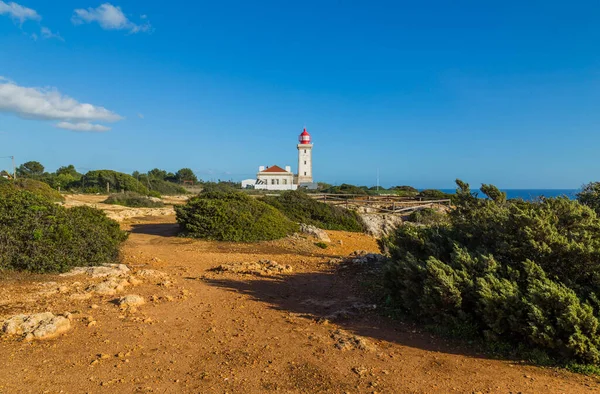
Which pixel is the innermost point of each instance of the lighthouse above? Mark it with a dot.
(305, 158)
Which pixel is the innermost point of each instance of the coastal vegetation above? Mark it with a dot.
(41, 236)
(35, 187)
(232, 216)
(590, 195)
(525, 275)
(134, 200)
(301, 208)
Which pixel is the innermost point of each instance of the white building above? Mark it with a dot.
(277, 178)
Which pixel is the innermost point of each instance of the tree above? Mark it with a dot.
(68, 170)
(186, 174)
(30, 169)
(157, 174)
(590, 196)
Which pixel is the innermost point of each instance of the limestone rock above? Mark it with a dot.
(262, 267)
(110, 286)
(379, 225)
(316, 232)
(346, 341)
(43, 325)
(100, 271)
(152, 274)
(131, 300)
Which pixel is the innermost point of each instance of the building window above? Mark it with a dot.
(304, 150)
(304, 162)
(272, 181)
(304, 172)
(285, 181)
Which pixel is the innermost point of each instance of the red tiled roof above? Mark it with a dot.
(274, 169)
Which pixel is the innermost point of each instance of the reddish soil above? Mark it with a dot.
(219, 332)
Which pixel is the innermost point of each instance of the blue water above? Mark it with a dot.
(529, 194)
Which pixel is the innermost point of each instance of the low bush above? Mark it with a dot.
(520, 273)
(40, 236)
(134, 200)
(232, 216)
(345, 188)
(301, 208)
(36, 187)
(166, 188)
(434, 194)
(427, 216)
(321, 245)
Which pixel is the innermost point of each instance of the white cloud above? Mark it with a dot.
(47, 34)
(141, 116)
(18, 12)
(82, 126)
(50, 104)
(109, 17)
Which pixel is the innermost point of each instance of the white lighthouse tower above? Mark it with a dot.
(305, 146)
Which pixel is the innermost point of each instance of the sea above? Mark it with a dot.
(528, 194)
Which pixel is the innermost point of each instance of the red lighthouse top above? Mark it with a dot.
(304, 137)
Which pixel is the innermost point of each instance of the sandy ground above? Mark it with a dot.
(203, 331)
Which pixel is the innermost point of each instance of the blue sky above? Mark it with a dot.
(498, 91)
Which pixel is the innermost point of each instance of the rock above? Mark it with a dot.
(381, 225)
(80, 296)
(316, 232)
(130, 301)
(153, 274)
(100, 271)
(262, 267)
(109, 287)
(36, 326)
(346, 341)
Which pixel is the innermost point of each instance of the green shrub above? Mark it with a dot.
(345, 188)
(434, 194)
(162, 187)
(301, 208)
(427, 216)
(40, 236)
(96, 181)
(525, 273)
(226, 187)
(36, 187)
(321, 245)
(134, 200)
(232, 216)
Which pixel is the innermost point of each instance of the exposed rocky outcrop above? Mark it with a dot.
(262, 267)
(379, 225)
(43, 325)
(100, 271)
(316, 232)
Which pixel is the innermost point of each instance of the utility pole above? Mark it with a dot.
(378, 179)
(14, 168)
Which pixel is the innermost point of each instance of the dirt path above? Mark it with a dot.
(204, 331)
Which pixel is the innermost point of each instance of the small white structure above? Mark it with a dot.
(275, 178)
